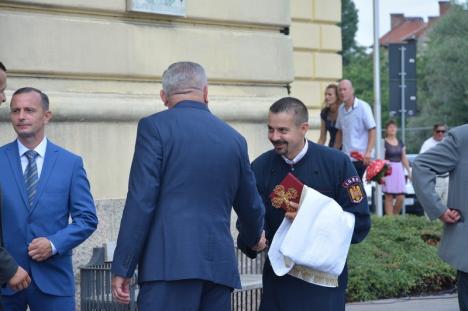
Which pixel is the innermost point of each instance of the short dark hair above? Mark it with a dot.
(44, 97)
(291, 104)
(2, 67)
(390, 122)
(437, 125)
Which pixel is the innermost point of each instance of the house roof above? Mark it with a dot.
(411, 28)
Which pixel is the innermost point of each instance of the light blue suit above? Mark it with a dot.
(63, 191)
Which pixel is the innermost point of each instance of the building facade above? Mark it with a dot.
(101, 65)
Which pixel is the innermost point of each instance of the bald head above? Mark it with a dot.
(346, 92)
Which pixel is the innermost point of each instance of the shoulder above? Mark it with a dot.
(324, 113)
(64, 153)
(263, 159)
(331, 154)
(364, 106)
(460, 133)
(13, 144)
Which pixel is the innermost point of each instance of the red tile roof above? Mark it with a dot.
(411, 28)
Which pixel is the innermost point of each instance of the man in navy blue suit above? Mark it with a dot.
(43, 187)
(189, 169)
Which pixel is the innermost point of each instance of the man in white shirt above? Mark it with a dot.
(438, 134)
(356, 126)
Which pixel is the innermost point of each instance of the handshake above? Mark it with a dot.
(261, 244)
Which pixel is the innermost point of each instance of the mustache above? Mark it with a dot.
(278, 142)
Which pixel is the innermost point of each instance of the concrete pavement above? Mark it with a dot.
(447, 302)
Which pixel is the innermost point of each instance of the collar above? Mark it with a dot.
(299, 156)
(40, 149)
(354, 106)
(191, 104)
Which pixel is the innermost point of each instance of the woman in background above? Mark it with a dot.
(328, 115)
(394, 187)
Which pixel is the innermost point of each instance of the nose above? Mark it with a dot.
(21, 114)
(274, 135)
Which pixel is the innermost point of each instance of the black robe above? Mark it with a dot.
(331, 173)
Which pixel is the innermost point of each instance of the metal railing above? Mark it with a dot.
(96, 291)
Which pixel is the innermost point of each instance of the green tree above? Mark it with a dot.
(443, 74)
(360, 71)
(349, 26)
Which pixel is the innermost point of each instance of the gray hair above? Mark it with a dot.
(44, 97)
(183, 78)
(291, 105)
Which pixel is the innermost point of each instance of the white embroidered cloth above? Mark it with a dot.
(315, 245)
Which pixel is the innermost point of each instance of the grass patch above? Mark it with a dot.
(398, 258)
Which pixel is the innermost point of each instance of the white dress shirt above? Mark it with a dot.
(41, 150)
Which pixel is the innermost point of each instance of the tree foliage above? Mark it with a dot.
(443, 73)
(360, 71)
(349, 26)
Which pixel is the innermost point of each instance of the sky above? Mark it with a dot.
(419, 8)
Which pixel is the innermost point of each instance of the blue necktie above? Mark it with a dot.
(30, 175)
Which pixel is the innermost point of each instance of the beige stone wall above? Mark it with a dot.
(101, 66)
(316, 40)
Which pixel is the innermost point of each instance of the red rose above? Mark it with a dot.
(378, 169)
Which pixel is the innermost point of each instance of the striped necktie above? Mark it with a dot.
(30, 175)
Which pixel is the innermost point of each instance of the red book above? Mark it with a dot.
(289, 189)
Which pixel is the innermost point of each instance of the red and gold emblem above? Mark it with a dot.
(283, 196)
(355, 193)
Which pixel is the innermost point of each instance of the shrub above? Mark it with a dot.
(398, 258)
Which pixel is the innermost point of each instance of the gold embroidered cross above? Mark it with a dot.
(283, 196)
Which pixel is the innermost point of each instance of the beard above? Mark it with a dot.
(281, 146)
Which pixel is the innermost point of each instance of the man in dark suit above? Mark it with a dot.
(189, 169)
(43, 186)
(10, 273)
(16, 277)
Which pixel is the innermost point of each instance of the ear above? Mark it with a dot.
(304, 127)
(48, 116)
(205, 94)
(164, 97)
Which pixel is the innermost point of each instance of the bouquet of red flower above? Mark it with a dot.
(377, 170)
(357, 155)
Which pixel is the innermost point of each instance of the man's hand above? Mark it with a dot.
(121, 289)
(292, 210)
(20, 280)
(262, 243)
(367, 158)
(450, 216)
(40, 249)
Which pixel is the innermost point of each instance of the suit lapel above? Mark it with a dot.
(49, 162)
(15, 164)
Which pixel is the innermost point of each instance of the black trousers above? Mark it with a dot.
(462, 286)
(360, 168)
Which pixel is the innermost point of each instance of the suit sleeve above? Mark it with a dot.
(8, 266)
(249, 208)
(440, 159)
(140, 206)
(82, 211)
(352, 198)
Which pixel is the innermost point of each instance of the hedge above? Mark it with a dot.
(398, 258)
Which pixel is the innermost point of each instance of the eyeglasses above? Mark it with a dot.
(440, 131)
